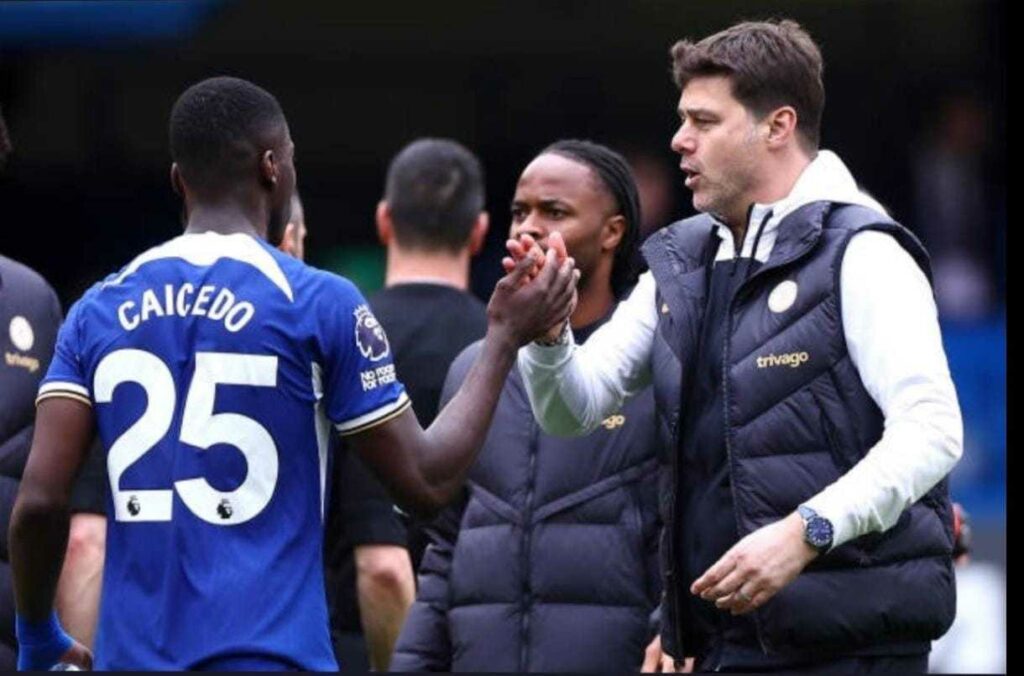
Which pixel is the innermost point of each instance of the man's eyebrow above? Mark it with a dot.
(704, 112)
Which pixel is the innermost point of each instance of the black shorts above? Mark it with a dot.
(89, 492)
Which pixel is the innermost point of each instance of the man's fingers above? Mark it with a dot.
(516, 248)
(757, 599)
(508, 264)
(549, 270)
(556, 242)
(519, 271)
(652, 658)
(729, 584)
(714, 574)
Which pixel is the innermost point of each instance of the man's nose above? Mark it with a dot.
(682, 141)
(529, 226)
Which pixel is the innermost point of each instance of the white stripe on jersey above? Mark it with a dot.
(204, 249)
(63, 386)
(375, 416)
(323, 430)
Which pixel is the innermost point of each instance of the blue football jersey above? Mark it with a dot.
(215, 366)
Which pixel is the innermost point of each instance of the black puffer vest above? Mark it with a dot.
(797, 417)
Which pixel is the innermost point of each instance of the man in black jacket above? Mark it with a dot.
(790, 335)
(549, 561)
(29, 318)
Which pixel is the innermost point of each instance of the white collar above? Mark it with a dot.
(825, 178)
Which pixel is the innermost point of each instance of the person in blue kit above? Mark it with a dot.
(214, 368)
(549, 562)
(790, 334)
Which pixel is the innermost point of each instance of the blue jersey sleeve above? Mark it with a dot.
(360, 387)
(66, 376)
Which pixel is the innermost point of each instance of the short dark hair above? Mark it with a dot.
(613, 172)
(435, 192)
(216, 128)
(770, 64)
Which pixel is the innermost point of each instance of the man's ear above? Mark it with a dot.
(478, 235)
(268, 168)
(780, 126)
(385, 228)
(176, 183)
(612, 233)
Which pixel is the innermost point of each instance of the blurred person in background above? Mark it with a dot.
(548, 562)
(656, 185)
(976, 643)
(30, 316)
(954, 211)
(293, 239)
(431, 220)
(366, 601)
(792, 340)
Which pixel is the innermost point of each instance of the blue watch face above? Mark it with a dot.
(819, 531)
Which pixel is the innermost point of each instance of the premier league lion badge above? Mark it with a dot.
(370, 337)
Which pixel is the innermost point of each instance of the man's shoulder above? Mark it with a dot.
(856, 217)
(684, 240)
(22, 281)
(433, 311)
(430, 298)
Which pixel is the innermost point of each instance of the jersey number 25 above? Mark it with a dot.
(200, 427)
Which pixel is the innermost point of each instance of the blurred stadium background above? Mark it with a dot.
(916, 106)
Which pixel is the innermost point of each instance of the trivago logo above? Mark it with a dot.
(793, 359)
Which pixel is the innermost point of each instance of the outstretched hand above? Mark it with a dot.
(534, 296)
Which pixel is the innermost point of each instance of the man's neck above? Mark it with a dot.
(775, 185)
(449, 269)
(595, 301)
(225, 219)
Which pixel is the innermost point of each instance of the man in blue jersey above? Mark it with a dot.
(213, 367)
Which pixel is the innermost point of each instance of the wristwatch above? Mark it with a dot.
(818, 530)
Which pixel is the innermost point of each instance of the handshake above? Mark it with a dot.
(537, 295)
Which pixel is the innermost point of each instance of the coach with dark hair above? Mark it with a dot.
(549, 561)
(791, 337)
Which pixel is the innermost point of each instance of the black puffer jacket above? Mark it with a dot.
(549, 562)
(29, 318)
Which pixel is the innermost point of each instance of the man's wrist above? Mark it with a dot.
(561, 339)
(42, 643)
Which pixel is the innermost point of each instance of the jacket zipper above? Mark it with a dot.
(527, 600)
(725, 398)
(744, 285)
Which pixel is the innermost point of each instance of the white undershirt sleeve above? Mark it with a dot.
(892, 333)
(572, 388)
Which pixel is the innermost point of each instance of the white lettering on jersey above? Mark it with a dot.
(122, 314)
(150, 305)
(218, 305)
(185, 290)
(378, 377)
(202, 299)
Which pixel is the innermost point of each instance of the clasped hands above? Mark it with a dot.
(526, 248)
